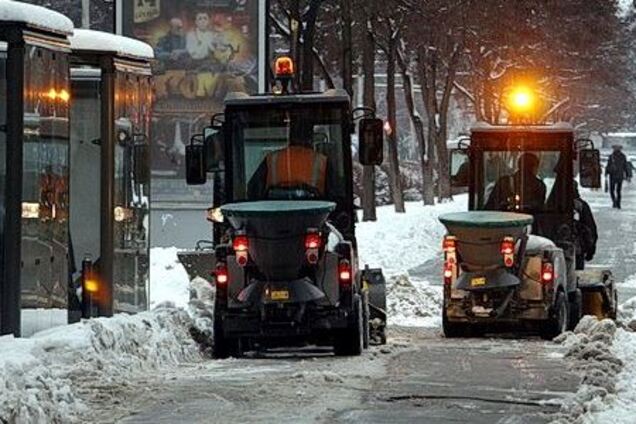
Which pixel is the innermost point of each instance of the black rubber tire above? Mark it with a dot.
(350, 341)
(453, 330)
(224, 347)
(365, 321)
(576, 309)
(558, 321)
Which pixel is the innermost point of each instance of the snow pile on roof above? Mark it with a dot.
(40, 377)
(592, 356)
(169, 281)
(90, 40)
(413, 303)
(35, 16)
(399, 242)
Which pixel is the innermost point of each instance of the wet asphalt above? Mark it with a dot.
(421, 378)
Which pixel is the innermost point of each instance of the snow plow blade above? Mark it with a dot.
(375, 284)
(198, 263)
(599, 293)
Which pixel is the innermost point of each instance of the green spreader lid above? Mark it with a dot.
(277, 207)
(486, 219)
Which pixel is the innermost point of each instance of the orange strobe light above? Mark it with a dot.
(284, 67)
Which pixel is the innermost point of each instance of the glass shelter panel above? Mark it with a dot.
(85, 184)
(45, 191)
(131, 212)
(3, 145)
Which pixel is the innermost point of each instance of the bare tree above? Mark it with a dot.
(439, 46)
(426, 162)
(388, 36)
(368, 70)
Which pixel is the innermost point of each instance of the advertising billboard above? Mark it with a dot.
(204, 50)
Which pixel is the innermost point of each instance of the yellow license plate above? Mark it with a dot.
(280, 295)
(478, 282)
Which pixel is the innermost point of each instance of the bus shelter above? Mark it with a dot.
(34, 168)
(111, 88)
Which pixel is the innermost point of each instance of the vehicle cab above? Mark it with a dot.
(111, 88)
(285, 256)
(511, 259)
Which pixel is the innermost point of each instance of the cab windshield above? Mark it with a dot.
(288, 153)
(523, 181)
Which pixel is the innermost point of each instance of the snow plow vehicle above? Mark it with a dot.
(514, 259)
(284, 255)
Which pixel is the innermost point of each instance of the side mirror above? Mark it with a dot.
(214, 144)
(371, 141)
(459, 168)
(196, 169)
(590, 168)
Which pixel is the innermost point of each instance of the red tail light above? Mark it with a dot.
(547, 273)
(242, 258)
(450, 244)
(344, 272)
(508, 251)
(221, 274)
(450, 249)
(448, 273)
(240, 243)
(508, 246)
(313, 240)
(313, 243)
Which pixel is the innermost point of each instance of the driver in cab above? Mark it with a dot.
(522, 190)
(294, 172)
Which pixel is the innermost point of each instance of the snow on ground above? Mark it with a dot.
(413, 303)
(44, 378)
(621, 408)
(399, 242)
(169, 280)
(604, 355)
(589, 351)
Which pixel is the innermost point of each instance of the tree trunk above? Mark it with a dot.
(307, 79)
(294, 38)
(347, 51)
(428, 193)
(368, 172)
(443, 170)
(392, 139)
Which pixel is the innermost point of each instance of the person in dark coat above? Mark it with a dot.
(617, 170)
(586, 230)
(172, 46)
(522, 190)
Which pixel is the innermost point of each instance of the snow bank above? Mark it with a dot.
(169, 281)
(621, 408)
(413, 303)
(591, 355)
(399, 242)
(40, 376)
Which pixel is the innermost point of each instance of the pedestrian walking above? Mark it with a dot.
(617, 170)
